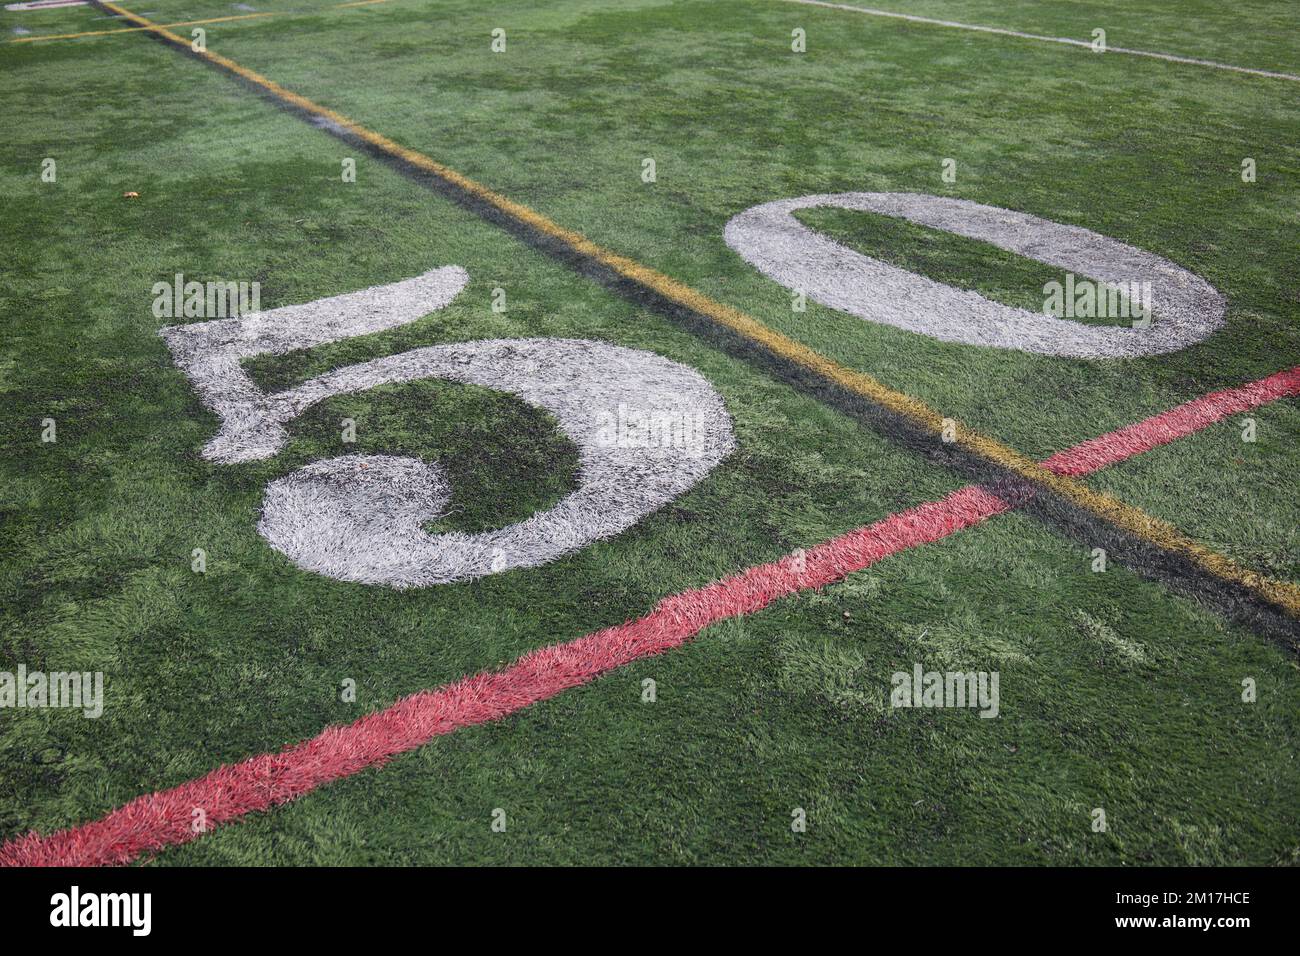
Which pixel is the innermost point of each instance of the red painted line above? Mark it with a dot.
(150, 823)
(1161, 429)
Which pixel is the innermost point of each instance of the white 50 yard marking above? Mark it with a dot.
(1068, 41)
(360, 517)
(1187, 308)
(793, 354)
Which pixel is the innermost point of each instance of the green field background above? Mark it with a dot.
(1117, 692)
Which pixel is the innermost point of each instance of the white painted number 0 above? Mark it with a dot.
(1186, 308)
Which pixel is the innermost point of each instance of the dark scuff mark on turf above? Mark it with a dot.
(1174, 570)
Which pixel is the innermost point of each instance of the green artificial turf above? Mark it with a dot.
(1117, 693)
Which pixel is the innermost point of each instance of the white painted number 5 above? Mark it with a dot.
(647, 429)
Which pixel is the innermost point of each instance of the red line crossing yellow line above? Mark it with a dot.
(1282, 594)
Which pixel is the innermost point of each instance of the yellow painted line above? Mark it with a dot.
(1283, 594)
(192, 23)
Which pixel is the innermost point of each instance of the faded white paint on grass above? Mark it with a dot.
(360, 517)
(1186, 308)
(211, 353)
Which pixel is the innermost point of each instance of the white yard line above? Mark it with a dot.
(912, 18)
(44, 4)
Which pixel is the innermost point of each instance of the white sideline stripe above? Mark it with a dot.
(44, 5)
(1035, 36)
